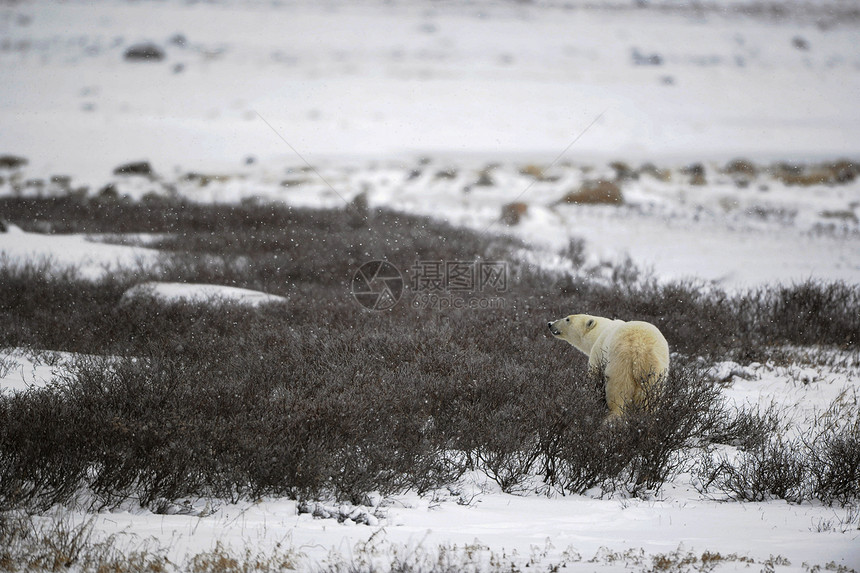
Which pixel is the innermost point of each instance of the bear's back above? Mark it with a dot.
(639, 342)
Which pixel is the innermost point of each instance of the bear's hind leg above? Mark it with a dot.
(619, 391)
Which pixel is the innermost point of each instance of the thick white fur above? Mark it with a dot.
(632, 356)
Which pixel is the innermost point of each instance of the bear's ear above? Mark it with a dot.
(589, 325)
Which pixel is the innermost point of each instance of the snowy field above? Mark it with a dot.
(455, 110)
(255, 92)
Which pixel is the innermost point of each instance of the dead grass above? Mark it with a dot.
(59, 543)
(535, 171)
(224, 560)
(829, 173)
(513, 212)
(599, 192)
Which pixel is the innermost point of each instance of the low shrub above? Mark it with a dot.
(647, 446)
(811, 313)
(822, 463)
(834, 466)
(206, 413)
(833, 453)
(318, 397)
(775, 469)
(558, 430)
(747, 429)
(41, 457)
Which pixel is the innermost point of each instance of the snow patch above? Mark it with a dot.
(90, 260)
(198, 293)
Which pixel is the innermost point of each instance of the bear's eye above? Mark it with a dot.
(567, 320)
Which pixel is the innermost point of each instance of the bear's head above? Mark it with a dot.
(580, 330)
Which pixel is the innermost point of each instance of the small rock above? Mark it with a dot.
(109, 192)
(293, 182)
(144, 52)
(664, 175)
(135, 168)
(485, 179)
(696, 171)
(513, 212)
(743, 167)
(63, 181)
(11, 162)
(742, 171)
(843, 170)
(641, 59)
(623, 171)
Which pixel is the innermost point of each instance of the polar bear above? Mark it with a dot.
(631, 356)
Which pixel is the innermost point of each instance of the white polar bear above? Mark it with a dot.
(631, 356)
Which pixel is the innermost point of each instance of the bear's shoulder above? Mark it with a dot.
(608, 324)
(606, 327)
(642, 326)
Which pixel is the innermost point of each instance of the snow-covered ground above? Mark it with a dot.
(254, 92)
(737, 236)
(376, 79)
(91, 259)
(411, 102)
(196, 293)
(475, 518)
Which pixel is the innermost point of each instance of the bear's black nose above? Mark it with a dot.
(549, 325)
